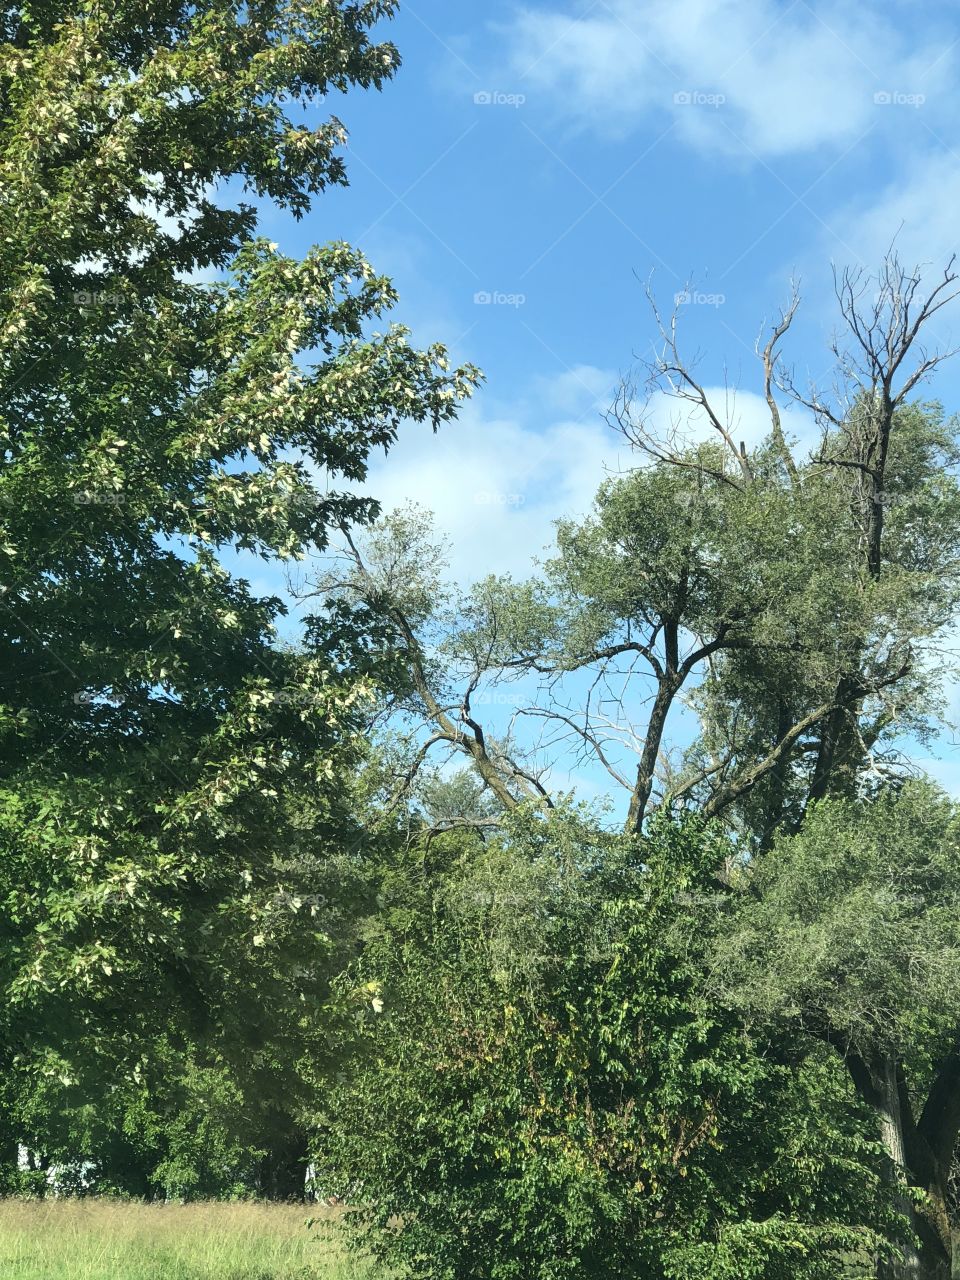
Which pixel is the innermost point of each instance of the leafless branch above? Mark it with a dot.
(770, 357)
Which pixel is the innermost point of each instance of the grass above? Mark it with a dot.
(115, 1240)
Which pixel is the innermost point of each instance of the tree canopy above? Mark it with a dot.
(292, 878)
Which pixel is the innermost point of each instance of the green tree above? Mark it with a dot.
(795, 605)
(159, 748)
(547, 1092)
(851, 933)
(791, 603)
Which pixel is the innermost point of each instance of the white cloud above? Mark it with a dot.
(766, 77)
(745, 415)
(497, 484)
(912, 212)
(917, 211)
(579, 390)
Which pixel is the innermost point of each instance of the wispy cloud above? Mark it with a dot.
(739, 75)
(916, 210)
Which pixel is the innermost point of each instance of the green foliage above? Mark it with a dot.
(542, 1089)
(555, 1051)
(179, 821)
(797, 607)
(115, 116)
(853, 924)
(180, 1126)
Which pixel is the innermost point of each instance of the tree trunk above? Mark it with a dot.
(928, 1258)
(775, 807)
(9, 1162)
(667, 689)
(840, 759)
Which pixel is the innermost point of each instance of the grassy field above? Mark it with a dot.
(112, 1240)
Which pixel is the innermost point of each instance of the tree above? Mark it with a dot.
(851, 933)
(799, 608)
(791, 603)
(546, 1092)
(444, 641)
(159, 746)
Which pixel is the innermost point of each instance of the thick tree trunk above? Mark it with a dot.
(9, 1161)
(840, 758)
(929, 1258)
(775, 807)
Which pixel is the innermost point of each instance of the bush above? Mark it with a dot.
(542, 1089)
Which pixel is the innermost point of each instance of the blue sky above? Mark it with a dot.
(551, 156)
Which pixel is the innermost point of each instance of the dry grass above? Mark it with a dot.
(114, 1240)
